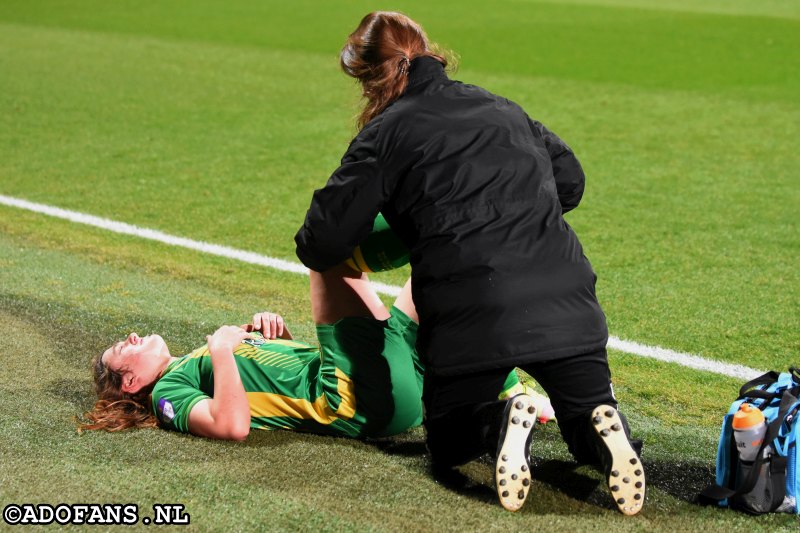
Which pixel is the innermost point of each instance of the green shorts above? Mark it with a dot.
(382, 375)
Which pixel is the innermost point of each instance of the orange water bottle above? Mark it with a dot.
(749, 428)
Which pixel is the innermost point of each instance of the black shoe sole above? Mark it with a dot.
(512, 469)
(624, 470)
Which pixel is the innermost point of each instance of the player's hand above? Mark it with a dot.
(226, 339)
(271, 325)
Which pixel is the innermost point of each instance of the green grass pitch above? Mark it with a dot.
(216, 120)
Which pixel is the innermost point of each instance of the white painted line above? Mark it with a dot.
(683, 359)
(653, 352)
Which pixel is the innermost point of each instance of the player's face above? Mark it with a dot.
(139, 360)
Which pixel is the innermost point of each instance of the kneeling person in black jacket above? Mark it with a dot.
(477, 191)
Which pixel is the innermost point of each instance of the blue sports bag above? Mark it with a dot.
(769, 483)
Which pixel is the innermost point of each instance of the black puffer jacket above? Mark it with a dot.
(476, 189)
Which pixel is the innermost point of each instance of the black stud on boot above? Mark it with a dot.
(512, 469)
(622, 465)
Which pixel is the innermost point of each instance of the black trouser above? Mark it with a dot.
(463, 415)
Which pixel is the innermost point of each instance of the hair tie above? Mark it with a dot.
(405, 65)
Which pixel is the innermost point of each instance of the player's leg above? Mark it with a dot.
(349, 317)
(368, 364)
(342, 292)
(402, 333)
(368, 353)
(345, 291)
(405, 302)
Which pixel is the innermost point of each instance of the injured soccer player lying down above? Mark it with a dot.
(364, 379)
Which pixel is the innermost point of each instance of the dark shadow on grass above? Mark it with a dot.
(563, 477)
(404, 447)
(681, 479)
(475, 481)
(275, 438)
(465, 482)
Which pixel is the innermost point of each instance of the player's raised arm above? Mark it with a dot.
(227, 414)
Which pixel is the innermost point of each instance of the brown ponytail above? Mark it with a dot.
(116, 410)
(379, 53)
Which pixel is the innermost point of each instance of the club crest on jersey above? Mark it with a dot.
(165, 410)
(255, 342)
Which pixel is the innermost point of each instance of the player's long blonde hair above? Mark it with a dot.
(379, 53)
(116, 410)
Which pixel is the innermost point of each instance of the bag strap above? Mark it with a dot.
(764, 379)
(748, 390)
(761, 395)
(715, 493)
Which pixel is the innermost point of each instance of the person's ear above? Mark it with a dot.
(130, 383)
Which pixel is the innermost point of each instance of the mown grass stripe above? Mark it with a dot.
(630, 347)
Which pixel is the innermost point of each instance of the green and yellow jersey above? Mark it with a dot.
(364, 380)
